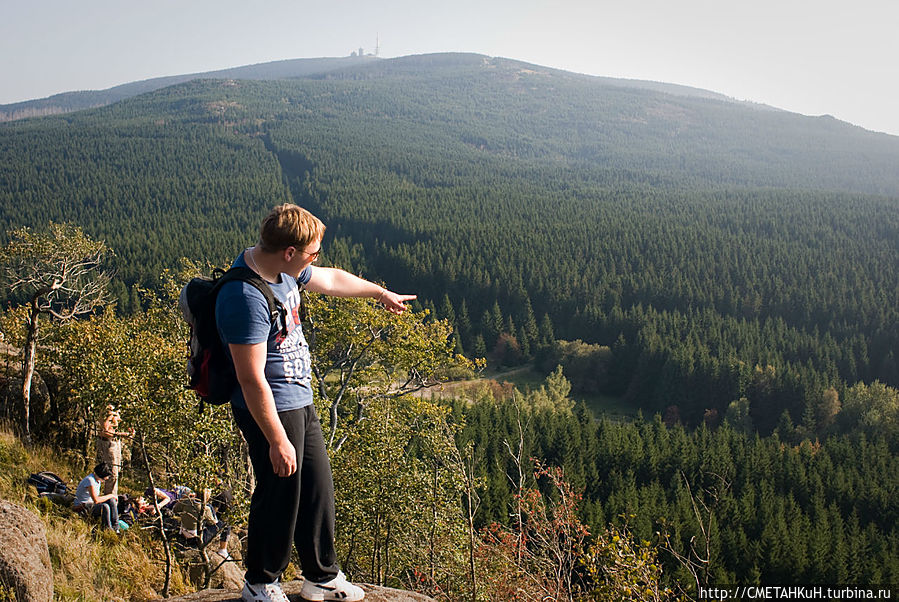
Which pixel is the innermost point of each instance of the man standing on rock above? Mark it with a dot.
(109, 447)
(294, 496)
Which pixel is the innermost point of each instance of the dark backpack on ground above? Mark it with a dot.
(210, 371)
(47, 482)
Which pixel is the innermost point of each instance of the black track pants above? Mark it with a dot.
(298, 508)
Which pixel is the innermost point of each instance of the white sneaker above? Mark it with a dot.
(263, 592)
(337, 588)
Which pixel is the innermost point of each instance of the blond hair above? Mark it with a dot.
(289, 225)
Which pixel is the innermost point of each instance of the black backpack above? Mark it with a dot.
(47, 483)
(210, 372)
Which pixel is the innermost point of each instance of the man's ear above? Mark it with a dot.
(289, 252)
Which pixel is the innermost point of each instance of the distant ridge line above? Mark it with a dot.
(67, 102)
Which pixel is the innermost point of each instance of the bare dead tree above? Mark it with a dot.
(161, 525)
(518, 481)
(463, 461)
(697, 559)
(60, 273)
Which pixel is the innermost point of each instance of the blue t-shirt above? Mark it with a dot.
(83, 493)
(242, 318)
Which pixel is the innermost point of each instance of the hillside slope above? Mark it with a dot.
(698, 237)
(68, 102)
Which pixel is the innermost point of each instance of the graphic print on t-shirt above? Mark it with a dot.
(293, 348)
(243, 318)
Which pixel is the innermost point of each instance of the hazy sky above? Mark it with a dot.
(811, 57)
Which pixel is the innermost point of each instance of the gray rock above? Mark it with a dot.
(373, 593)
(24, 558)
(226, 575)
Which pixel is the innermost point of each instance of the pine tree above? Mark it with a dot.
(546, 336)
(446, 309)
(478, 348)
(463, 325)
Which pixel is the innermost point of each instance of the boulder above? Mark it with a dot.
(227, 575)
(25, 568)
(373, 593)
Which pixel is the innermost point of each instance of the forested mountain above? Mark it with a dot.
(67, 102)
(719, 250)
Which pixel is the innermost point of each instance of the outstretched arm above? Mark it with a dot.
(339, 283)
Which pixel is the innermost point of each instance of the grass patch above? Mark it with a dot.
(526, 379)
(606, 406)
(88, 563)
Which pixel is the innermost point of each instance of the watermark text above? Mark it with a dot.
(795, 592)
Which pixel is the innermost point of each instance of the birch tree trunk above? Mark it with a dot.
(28, 363)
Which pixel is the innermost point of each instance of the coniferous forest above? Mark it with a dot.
(729, 270)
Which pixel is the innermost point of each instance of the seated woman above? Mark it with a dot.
(192, 511)
(89, 501)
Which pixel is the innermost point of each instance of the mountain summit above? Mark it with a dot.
(67, 102)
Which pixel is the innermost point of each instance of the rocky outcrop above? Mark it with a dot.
(226, 575)
(373, 593)
(25, 568)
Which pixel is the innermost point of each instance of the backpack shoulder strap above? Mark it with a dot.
(276, 309)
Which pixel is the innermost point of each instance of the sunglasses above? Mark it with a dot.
(313, 255)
